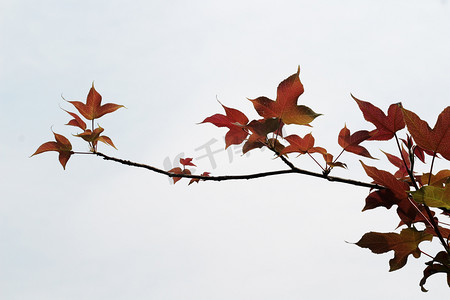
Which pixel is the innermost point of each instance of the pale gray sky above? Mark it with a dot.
(100, 230)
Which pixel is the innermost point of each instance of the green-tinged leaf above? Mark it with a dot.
(433, 196)
(403, 244)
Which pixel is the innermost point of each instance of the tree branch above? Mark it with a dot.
(293, 170)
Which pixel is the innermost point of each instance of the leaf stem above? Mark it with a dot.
(426, 254)
(315, 161)
(335, 160)
(431, 167)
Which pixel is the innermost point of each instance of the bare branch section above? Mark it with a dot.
(292, 170)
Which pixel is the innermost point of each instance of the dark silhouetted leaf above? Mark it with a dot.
(403, 244)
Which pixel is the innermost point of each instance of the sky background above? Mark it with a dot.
(100, 230)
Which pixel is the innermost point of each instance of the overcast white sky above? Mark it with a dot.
(100, 230)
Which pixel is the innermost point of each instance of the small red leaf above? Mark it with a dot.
(178, 170)
(350, 142)
(298, 144)
(187, 162)
(204, 174)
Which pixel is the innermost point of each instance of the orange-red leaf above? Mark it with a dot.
(386, 126)
(436, 139)
(89, 135)
(93, 108)
(350, 142)
(285, 106)
(403, 244)
(94, 137)
(62, 146)
(298, 144)
(76, 121)
(399, 163)
(106, 140)
(386, 179)
(235, 121)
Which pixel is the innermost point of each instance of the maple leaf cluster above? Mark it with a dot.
(186, 162)
(420, 199)
(91, 110)
(413, 194)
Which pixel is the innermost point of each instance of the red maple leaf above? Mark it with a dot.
(302, 145)
(436, 139)
(61, 145)
(285, 106)
(386, 126)
(235, 121)
(350, 142)
(386, 179)
(93, 108)
(187, 162)
(184, 162)
(402, 165)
